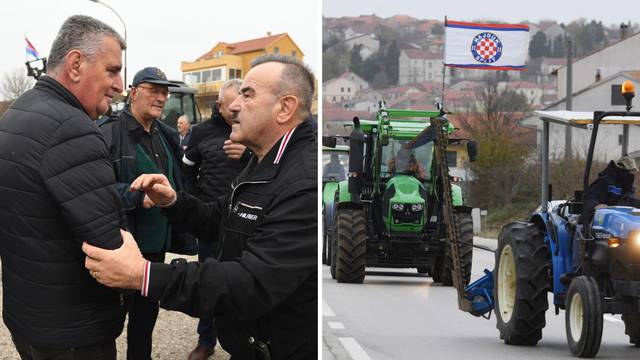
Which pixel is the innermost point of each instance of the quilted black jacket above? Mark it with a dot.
(57, 190)
(208, 170)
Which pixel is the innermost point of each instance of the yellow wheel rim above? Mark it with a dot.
(506, 283)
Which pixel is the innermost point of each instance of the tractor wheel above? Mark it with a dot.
(351, 247)
(325, 241)
(583, 317)
(632, 327)
(333, 252)
(464, 227)
(521, 283)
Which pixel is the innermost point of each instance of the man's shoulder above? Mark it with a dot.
(301, 162)
(48, 114)
(37, 103)
(203, 129)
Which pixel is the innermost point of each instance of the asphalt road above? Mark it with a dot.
(398, 314)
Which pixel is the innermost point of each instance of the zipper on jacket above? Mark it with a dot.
(233, 192)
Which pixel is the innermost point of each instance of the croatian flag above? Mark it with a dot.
(486, 46)
(31, 50)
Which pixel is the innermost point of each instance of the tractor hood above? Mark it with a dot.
(404, 206)
(407, 188)
(618, 221)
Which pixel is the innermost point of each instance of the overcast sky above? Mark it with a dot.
(505, 10)
(162, 33)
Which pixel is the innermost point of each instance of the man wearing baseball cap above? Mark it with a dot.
(614, 186)
(141, 144)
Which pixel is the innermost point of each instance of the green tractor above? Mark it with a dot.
(394, 211)
(335, 163)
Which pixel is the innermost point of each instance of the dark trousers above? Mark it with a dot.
(206, 327)
(103, 351)
(143, 314)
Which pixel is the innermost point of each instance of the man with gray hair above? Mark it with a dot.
(57, 190)
(211, 162)
(262, 286)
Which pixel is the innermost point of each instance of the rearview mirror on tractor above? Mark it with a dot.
(329, 141)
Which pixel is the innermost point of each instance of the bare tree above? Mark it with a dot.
(14, 84)
(504, 145)
(4, 105)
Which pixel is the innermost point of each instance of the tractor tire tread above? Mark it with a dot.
(351, 251)
(532, 261)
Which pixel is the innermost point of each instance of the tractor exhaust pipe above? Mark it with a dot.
(356, 156)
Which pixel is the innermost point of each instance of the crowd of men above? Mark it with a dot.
(123, 189)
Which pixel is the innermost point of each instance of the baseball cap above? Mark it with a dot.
(151, 75)
(628, 163)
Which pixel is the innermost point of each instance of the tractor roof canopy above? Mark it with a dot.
(582, 118)
(402, 124)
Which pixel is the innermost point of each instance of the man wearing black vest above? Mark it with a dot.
(141, 144)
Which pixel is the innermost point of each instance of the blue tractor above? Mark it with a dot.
(591, 264)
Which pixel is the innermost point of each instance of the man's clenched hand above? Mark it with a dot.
(156, 187)
(233, 150)
(120, 268)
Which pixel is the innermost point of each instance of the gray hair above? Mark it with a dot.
(295, 76)
(82, 33)
(233, 83)
(185, 117)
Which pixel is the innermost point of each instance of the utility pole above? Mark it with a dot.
(569, 100)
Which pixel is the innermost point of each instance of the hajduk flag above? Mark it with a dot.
(486, 46)
(31, 50)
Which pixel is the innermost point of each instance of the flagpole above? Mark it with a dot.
(444, 68)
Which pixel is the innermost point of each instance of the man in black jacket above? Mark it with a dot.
(263, 290)
(614, 186)
(57, 191)
(141, 144)
(209, 172)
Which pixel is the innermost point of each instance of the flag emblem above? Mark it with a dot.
(486, 48)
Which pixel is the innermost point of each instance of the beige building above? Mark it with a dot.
(227, 61)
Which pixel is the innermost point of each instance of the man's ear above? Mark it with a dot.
(133, 93)
(288, 107)
(74, 63)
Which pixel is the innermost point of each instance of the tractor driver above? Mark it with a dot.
(614, 186)
(334, 168)
(405, 162)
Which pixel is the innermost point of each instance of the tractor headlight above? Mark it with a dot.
(634, 240)
(416, 207)
(398, 207)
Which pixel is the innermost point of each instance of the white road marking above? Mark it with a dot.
(326, 310)
(335, 324)
(612, 318)
(353, 348)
